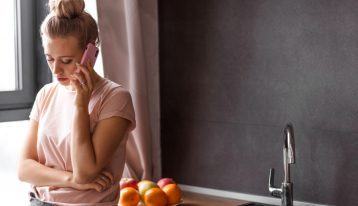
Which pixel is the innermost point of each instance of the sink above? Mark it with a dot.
(256, 204)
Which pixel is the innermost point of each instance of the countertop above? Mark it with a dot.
(196, 199)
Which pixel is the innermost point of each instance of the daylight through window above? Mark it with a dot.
(7, 51)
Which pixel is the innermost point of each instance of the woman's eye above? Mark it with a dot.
(67, 61)
(49, 60)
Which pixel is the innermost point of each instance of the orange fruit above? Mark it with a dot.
(155, 197)
(129, 197)
(173, 193)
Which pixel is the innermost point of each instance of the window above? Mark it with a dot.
(7, 56)
(18, 81)
(24, 70)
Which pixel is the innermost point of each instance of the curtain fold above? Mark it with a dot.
(129, 46)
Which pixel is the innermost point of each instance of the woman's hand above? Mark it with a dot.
(102, 182)
(83, 83)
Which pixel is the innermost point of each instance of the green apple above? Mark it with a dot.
(145, 185)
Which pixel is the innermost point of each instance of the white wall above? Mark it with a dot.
(12, 191)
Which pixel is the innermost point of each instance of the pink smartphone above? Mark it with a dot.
(90, 55)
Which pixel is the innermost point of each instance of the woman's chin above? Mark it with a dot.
(67, 85)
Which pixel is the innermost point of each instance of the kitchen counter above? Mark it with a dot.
(196, 199)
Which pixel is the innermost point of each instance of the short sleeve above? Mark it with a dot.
(118, 103)
(35, 111)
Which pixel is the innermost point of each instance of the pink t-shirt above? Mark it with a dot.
(53, 110)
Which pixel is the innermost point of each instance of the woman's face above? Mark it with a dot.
(62, 54)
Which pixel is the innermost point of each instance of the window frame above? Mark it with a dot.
(32, 72)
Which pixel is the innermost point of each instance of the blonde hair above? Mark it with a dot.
(68, 18)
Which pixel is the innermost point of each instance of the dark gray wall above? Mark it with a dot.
(234, 72)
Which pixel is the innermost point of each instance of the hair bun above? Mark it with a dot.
(67, 8)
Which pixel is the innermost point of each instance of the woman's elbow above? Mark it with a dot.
(20, 175)
(21, 172)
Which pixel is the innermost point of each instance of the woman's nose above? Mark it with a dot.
(56, 69)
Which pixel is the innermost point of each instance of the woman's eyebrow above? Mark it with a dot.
(65, 56)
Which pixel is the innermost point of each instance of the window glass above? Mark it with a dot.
(18, 81)
(7, 51)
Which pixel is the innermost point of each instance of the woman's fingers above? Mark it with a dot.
(80, 78)
(92, 186)
(89, 186)
(87, 73)
(96, 186)
(109, 176)
(102, 182)
(105, 180)
(75, 83)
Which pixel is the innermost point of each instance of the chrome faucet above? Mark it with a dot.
(286, 190)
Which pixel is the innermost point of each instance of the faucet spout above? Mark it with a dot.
(286, 190)
(289, 143)
(288, 151)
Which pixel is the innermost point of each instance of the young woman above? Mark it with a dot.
(74, 152)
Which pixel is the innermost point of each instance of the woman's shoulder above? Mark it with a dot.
(108, 87)
(48, 88)
(112, 99)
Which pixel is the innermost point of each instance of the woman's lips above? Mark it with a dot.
(62, 79)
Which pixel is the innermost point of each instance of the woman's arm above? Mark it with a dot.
(33, 172)
(90, 154)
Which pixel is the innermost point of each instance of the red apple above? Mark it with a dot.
(145, 185)
(128, 182)
(165, 181)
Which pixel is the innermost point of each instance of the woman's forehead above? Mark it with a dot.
(68, 45)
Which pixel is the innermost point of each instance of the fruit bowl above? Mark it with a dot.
(163, 192)
(179, 203)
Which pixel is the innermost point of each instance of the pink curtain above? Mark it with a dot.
(129, 46)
